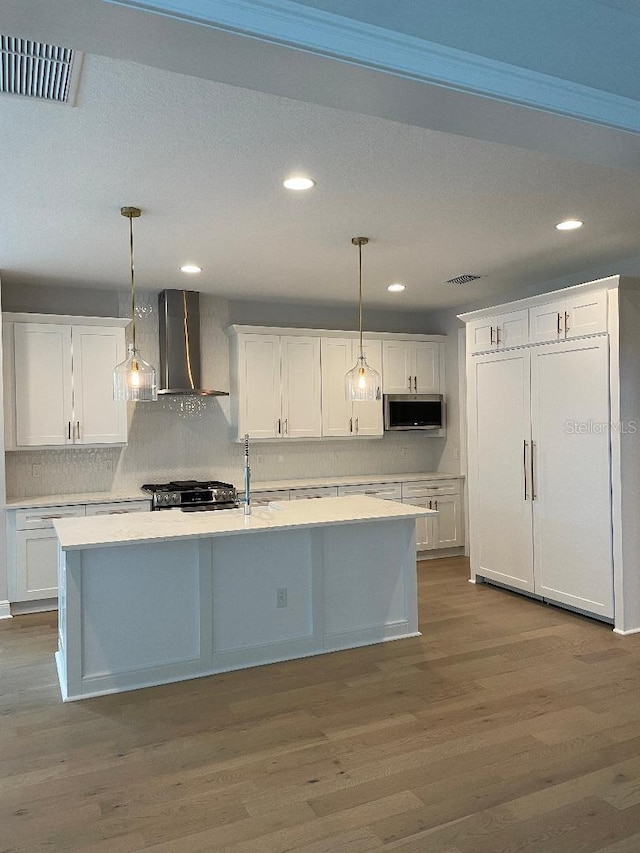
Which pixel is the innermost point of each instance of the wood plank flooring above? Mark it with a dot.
(508, 726)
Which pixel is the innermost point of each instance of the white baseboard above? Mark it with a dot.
(20, 608)
(5, 610)
(626, 633)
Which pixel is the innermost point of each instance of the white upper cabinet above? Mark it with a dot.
(259, 386)
(341, 417)
(301, 387)
(59, 382)
(276, 386)
(574, 317)
(291, 383)
(411, 367)
(502, 331)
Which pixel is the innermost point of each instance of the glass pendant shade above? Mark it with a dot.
(362, 382)
(134, 379)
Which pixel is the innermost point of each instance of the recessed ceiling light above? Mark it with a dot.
(396, 288)
(298, 182)
(191, 268)
(569, 225)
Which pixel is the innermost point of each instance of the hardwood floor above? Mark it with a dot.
(508, 726)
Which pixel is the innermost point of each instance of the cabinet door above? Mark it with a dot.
(500, 516)
(547, 322)
(36, 564)
(259, 386)
(424, 524)
(512, 329)
(572, 506)
(426, 370)
(336, 356)
(397, 367)
(301, 387)
(481, 335)
(43, 386)
(98, 418)
(447, 526)
(586, 314)
(367, 417)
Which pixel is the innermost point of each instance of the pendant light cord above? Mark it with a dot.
(133, 304)
(360, 295)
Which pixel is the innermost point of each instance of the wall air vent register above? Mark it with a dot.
(36, 70)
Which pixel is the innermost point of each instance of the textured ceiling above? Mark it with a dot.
(205, 161)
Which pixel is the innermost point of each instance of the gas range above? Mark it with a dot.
(192, 495)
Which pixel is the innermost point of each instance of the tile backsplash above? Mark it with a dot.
(190, 437)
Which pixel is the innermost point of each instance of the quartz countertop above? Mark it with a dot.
(351, 480)
(135, 528)
(256, 486)
(76, 498)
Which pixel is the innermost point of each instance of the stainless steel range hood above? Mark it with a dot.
(179, 328)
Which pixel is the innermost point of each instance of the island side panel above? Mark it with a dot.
(136, 616)
(370, 583)
(265, 603)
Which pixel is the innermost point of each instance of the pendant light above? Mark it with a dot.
(134, 379)
(362, 381)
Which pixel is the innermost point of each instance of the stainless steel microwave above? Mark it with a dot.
(413, 411)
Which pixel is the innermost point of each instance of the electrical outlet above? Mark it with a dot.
(281, 597)
(456, 453)
(108, 465)
(36, 470)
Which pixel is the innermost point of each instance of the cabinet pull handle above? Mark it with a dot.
(286, 426)
(69, 431)
(409, 382)
(524, 466)
(78, 430)
(497, 336)
(566, 322)
(533, 482)
(492, 341)
(436, 505)
(48, 517)
(350, 424)
(357, 425)
(279, 426)
(430, 507)
(415, 383)
(559, 325)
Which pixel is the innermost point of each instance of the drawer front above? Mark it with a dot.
(321, 492)
(118, 508)
(430, 488)
(43, 517)
(264, 498)
(386, 491)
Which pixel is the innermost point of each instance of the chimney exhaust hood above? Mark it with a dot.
(179, 327)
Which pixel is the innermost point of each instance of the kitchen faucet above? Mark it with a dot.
(247, 477)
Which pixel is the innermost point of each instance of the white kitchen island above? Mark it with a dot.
(164, 596)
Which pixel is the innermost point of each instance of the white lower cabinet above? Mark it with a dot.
(444, 530)
(33, 545)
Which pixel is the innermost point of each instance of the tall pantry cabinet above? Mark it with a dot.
(554, 449)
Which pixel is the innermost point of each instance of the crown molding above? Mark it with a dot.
(287, 23)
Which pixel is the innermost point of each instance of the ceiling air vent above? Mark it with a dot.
(464, 279)
(37, 70)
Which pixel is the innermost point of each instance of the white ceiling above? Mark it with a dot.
(205, 161)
